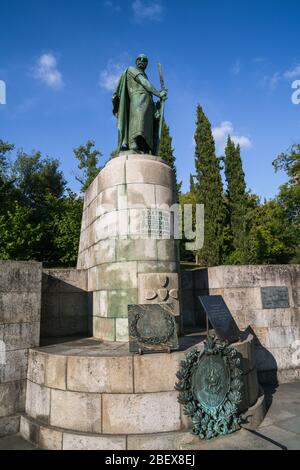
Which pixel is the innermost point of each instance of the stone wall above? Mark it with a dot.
(65, 303)
(20, 307)
(276, 325)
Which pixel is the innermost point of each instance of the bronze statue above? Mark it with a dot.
(139, 117)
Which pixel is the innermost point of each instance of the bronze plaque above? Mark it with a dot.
(211, 381)
(275, 297)
(152, 327)
(220, 317)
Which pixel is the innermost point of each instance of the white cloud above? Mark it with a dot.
(276, 77)
(109, 77)
(147, 10)
(293, 73)
(46, 70)
(222, 132)
(113, 6)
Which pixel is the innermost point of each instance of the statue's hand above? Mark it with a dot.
(163, 95)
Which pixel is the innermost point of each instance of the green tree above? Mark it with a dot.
(166, 152)
(209, 191)
(88, 158)
(289, 197)
(236, 203)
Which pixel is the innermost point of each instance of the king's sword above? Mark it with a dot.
(162, 104)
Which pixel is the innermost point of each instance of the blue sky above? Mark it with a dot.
(237, 58)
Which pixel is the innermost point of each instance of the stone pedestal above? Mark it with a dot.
(127, 241)
(90, 394)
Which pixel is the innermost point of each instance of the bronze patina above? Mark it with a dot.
(211, 388)
(139, 117)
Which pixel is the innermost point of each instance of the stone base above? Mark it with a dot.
(92, 394)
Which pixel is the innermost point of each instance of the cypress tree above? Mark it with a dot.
(237, 200)
(209, 191)
(166, 152)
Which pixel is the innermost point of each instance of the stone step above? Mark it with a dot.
(44, 436)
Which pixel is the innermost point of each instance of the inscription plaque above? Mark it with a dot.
(220, 317)
(155, 223)
(152, 327)
(275, 297)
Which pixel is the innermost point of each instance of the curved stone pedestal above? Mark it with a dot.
(91, 395)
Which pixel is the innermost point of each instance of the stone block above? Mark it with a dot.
(141, 413)
(56, 371)
(12, 397)
(282, 337)
(64, 281)
(81, 442)
(140, 194)
(167, 250)
(155, 373)
(20, 276)
(20, 307)
(148, 171)
(91, 193)
(121, 274)
(38, 402)
(102, 252)
(29, 430)
(50, 439)
(9, 425)
(118, 301)
(238, 298)
(104, 328)
(112, 175)
(187, 279)
(159, 288)
(100, 303)
(107, 201)
(15, 367)
(100, 374)
(122, 329)
(129, 249)
(73, 304)
(164, 195)
(21, 335)
(188, 307)
(76, 411)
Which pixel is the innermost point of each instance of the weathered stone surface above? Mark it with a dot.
(15, 367)
(156, 375)
(18, 276)
(129, 249)
(104, 328)
(38, 401)
(112, 175)
(107, 201)
(236, 299)
(164, 195)
(29, 430)
(122, 329)
(50, 439)
(20, 307)
(167, 250)
(282, 337)
(118, 301)
(64, 280)
(148, 171)
(141, 413)
(56, 371)
(252, 385)
(100, 303)
(12, 397)
(108, 276)
(140, 194)
(9, 425)
(100, 374)
(91, 193)
(80, 442)
(76, 411)
(21, 335)
(102, 252)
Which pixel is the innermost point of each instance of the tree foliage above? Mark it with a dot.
(166, 152)
(88, 158)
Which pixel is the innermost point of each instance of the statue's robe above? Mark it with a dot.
(134, 108)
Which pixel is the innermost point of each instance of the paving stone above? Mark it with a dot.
(80, 442)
